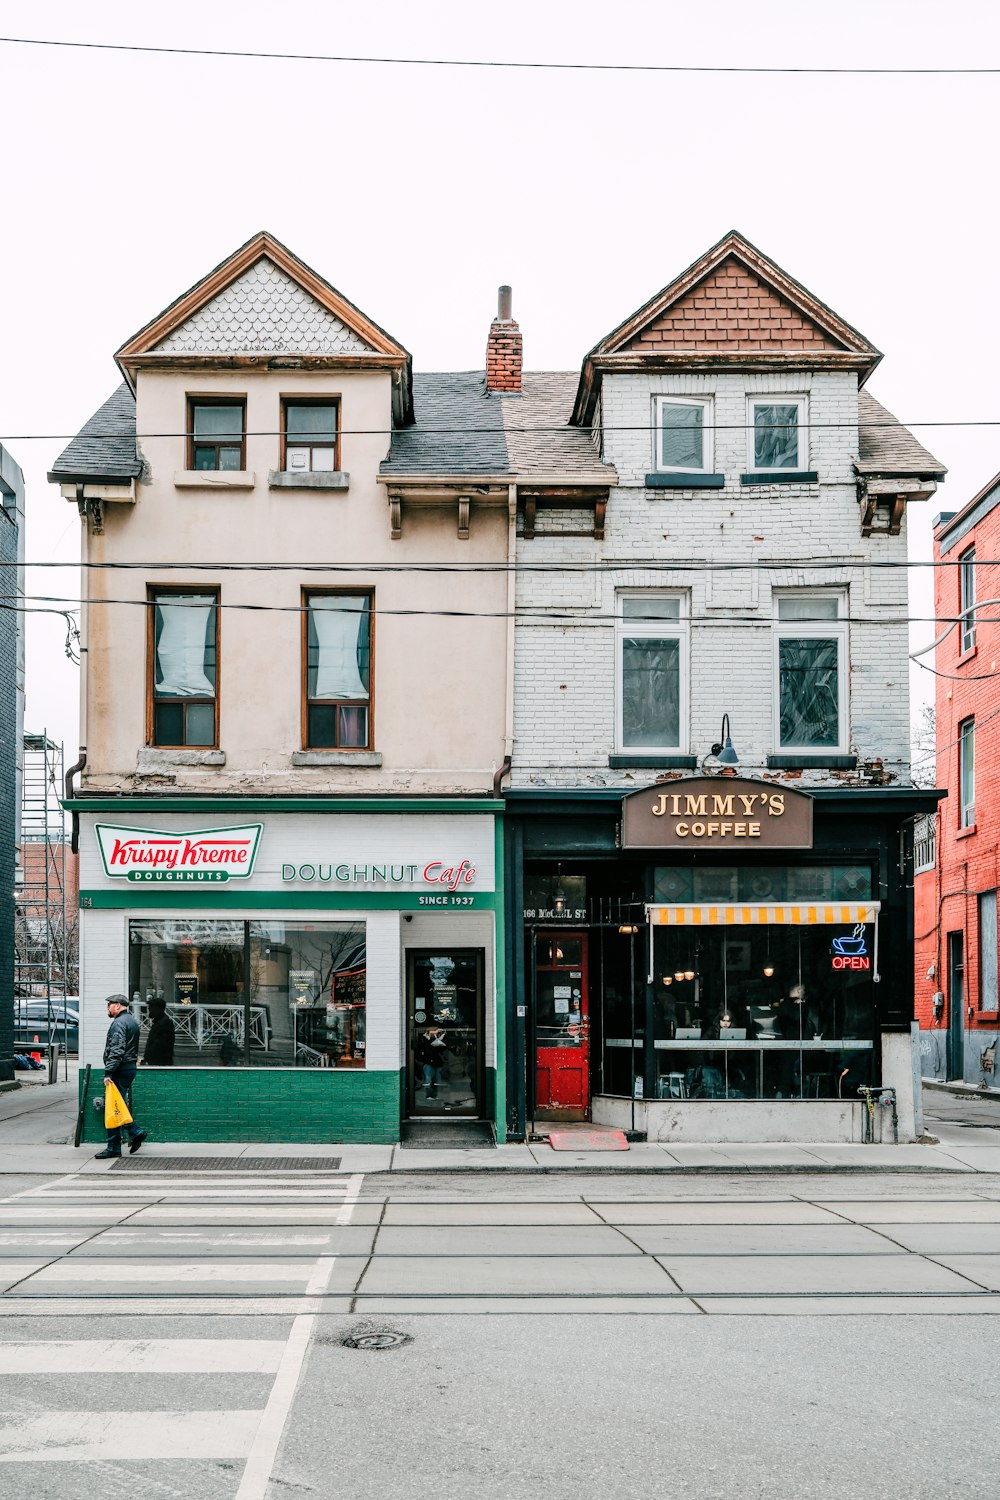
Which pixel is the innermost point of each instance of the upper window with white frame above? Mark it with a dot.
(967, 773)
(651, 632)
(682, 434)
(967, 598)
(810, 671)
(777, 434)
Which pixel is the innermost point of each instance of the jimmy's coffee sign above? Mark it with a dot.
(717, 812)
(147, 856)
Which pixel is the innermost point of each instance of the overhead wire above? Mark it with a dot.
(505, 64)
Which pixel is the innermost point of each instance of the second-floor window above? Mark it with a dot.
(652, 638)
(338, 670)
(967, 598)
(810, 659)
(310, 433)
(216, 433)
(966, 773)
(682, 433)
(776, 433)
(183, 672)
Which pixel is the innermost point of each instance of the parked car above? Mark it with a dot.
(31, 1019)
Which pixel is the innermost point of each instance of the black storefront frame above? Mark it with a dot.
(871, 826)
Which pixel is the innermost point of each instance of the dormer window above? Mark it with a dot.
(682, 434)
(217, 433)
(777, 437)
(311, 435)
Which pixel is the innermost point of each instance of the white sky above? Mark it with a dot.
(416, 191)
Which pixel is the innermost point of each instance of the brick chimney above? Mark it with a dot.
(503, 348)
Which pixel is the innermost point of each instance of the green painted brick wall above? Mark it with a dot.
(312, 1106)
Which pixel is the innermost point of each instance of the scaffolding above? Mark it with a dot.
(45, 955)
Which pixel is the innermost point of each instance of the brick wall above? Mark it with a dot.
(11, 504)
(732, 309)
(798, 535)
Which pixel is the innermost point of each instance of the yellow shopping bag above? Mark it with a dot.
(116, 1111)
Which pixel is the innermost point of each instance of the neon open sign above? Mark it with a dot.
(851, 950)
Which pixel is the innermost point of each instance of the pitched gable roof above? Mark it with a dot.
(733, 306)
(261, 302)
(105, 447)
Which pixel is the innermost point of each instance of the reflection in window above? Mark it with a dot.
(253, 994)
(777, 434)
(811, 671)
(652, 668)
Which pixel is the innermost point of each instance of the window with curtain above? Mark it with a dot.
(185, 648)
(777, 435)
(683, 434)
(338, 650)
(811, 672)
(652, 637)
(216, 431)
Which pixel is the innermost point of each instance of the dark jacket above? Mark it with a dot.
(121, 1050)
(159, 1051)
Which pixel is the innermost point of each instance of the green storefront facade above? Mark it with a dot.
(330, 967)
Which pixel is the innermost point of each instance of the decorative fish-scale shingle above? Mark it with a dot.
(263, 310)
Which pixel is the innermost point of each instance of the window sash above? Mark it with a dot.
(213, 446)
(967, 773)
(769, 447)
(691, 426)
(183, 670)
(311, 435)
(338, 661)
(651, 710)
(967, 599)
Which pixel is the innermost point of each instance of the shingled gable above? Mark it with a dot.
(214, 325)
(732, 307)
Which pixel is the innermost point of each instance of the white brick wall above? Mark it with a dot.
(564, 696)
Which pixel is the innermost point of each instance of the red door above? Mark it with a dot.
(562, 1028)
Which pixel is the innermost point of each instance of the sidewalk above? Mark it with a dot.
(34, 1118)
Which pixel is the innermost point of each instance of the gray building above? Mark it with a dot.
(11, 733)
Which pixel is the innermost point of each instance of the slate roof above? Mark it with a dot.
(461, 429)
(887, 448)
(105, 446)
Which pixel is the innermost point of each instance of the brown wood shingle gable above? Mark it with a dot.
(732, 309)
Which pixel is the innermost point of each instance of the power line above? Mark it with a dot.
(581, 569)
(453, 62)
(510, 430)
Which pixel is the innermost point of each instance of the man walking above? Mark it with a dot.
(121, 1058)
(159, 1051)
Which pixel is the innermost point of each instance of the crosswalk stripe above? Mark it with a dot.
(191, 1273)
(87, 1435)
(142, 1356)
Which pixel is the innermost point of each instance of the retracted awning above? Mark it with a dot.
(797, 914)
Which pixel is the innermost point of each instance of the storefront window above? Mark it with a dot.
(252, 994)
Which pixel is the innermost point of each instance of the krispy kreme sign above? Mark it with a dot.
(717, 812)
(147, 856)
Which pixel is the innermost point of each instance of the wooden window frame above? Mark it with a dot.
(313, 593)
(310, 400)
(217, 398)
(154, 593)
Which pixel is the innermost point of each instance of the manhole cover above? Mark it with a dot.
(375, 1340)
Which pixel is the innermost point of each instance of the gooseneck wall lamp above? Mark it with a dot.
(723, 750)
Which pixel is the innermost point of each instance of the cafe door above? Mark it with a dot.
(444, 1032)
(562, 1027)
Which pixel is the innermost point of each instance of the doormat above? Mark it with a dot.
(227, 1164)
(587, 1138)
(447, 1135)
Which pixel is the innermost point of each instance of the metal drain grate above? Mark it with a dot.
(227, 1164)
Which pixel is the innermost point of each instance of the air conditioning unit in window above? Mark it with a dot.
(297, 460)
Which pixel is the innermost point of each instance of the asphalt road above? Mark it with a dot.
(164, 1334)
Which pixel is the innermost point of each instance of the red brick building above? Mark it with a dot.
(955, 908)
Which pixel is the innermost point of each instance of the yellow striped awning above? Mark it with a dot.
(798, 914)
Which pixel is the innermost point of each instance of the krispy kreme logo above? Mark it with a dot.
(148, 856)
